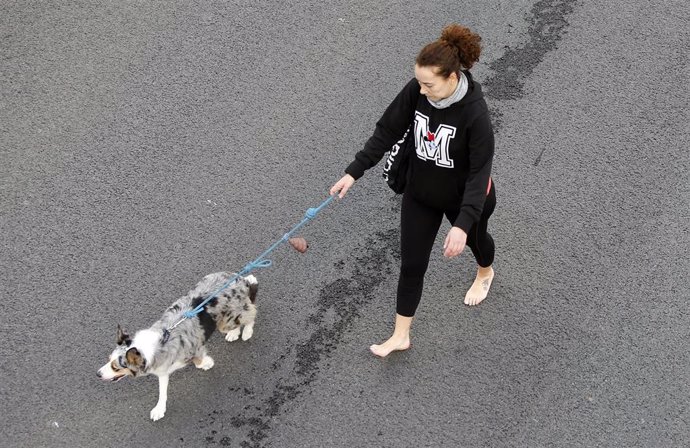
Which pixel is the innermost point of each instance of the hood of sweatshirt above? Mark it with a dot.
(474, 91)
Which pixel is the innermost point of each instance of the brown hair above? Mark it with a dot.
(457, 48)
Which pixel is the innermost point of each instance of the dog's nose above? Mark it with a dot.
(98, 374)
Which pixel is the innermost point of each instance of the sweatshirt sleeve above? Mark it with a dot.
(481, 153)
(390, 127)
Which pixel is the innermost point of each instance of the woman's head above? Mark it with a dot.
(438, 63)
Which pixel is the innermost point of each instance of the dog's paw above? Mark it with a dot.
(157, 413)
(233, 335)
(247, 332)
(206, 363)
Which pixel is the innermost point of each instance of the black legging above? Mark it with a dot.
(419, 226)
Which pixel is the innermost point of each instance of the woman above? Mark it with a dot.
(449, 172)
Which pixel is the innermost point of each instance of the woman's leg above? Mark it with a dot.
(483, 248)
(419, 225)
(478, 239)
(482, 245)
(418, 228)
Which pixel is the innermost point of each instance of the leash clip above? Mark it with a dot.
(175, 325)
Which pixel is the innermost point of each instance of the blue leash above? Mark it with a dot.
(260, 262)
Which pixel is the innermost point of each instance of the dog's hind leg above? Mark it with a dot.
(202, 360)
(158, 412)
(248, 330)
(246, 320)
(204, 363)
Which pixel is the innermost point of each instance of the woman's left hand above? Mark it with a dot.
(455, 242)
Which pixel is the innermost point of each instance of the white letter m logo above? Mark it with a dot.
(432, 146)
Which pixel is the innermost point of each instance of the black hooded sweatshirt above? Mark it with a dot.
(454, 150)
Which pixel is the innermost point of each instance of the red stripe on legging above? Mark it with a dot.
(489, 187)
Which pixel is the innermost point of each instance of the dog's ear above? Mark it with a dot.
(122, 337)
(134, 358)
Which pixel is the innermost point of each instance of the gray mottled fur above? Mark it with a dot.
(187, 340)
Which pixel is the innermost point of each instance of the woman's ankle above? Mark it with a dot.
(484, 272)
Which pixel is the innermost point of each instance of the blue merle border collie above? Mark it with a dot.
(159, 351)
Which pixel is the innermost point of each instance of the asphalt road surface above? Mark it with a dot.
(146, 144)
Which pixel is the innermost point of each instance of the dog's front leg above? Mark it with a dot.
(158, 412)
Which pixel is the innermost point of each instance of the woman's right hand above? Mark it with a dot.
(342, 185)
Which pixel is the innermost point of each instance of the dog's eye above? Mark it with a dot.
(121, 362)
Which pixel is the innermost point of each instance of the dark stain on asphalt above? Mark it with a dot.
(336, 309)
(547, 24)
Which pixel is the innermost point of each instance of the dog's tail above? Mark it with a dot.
(253, 285)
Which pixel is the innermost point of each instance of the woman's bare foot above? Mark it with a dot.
(394, 344)
(400, 339)
(480, 288)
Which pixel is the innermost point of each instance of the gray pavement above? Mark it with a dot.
(146, 144)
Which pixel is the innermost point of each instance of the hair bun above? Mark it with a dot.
(466, 43)
(457, 48)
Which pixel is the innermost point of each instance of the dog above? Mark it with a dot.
(159, 350)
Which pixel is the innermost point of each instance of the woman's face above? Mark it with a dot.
(434, 86)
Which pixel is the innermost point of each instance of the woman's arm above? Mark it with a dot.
(481, 153)
(392, 125)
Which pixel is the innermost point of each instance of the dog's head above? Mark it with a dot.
(124, 361)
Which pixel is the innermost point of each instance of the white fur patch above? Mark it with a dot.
(233, 335)
(158, 412)
(146, 342)
(247, 332)
(206, 363)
